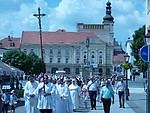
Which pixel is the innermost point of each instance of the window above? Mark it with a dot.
(77, 51)
(67, 70)
(67, 60)
(51, 60)
(25, 50)
(77, 60)
(67, 51)
(77, 71)
(59, 52)
(58, 60)
(12, 44)
(51, 51)
(100, 57)
(84, 59)
(32, 51)
(92, 59)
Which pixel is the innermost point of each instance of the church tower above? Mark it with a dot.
(104, 31)
(108, 21)
(108, 17)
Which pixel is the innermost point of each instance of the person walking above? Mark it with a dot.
(5, 100)
(93, 89)
(13, 101)
(107, 96)
(75, 94)
(45, 92)
(85, 93)
(30, 95)
(120, 89)
(64, 102)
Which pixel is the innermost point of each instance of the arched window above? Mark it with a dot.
(77, 71)
(107, 71)
(67, 70)
(100, 71)
(92, 59)
(53, 70)
(84, 59)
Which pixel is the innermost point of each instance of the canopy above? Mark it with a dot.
(6, 69)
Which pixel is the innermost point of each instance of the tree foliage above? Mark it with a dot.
(136, 45)
(30, 64)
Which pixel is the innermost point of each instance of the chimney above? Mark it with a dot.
(9, 39)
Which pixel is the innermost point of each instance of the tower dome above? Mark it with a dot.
(108, 17)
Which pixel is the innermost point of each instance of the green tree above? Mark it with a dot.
(136, 45)
(30, 64)
(36, 63)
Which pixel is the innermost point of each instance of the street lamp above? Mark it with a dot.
(39, 16)
(126, 57)
(148, 81)
(87, 46)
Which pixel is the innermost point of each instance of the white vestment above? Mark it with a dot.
(75, 93)
(31, 102)
(64, 104)
(45, 102)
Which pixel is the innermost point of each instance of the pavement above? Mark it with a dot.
(136, 103)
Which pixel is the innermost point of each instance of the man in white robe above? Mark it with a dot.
(64, 104)
(45, 92)
(75, 94)
(30, 95)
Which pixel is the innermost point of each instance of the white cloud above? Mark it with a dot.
(128, 14)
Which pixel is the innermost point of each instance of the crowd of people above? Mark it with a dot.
(49, 94)
(59, 94)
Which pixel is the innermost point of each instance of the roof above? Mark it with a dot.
(8, 69)
(59, 37)
(8, 41)
(118, 58)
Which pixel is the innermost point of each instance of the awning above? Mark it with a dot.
(6, 69)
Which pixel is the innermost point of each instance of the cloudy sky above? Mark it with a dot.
(17, 15)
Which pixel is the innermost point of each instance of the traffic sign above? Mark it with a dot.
(145, 53)
(119, 69)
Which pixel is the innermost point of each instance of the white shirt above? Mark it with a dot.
(121, 86)
(92, 86)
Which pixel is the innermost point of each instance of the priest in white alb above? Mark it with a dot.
(75, 95)
(30, 95)
(64, 104)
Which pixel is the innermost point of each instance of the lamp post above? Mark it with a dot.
(39, 16)
(126, 57)
(87, 46)
(147, 36)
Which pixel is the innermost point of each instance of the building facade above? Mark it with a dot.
(91, 48)
(7, 44)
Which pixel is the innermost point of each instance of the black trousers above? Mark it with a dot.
(121, 98)
(106, 105)
(92, 95)
(46, 110)
(5, 108)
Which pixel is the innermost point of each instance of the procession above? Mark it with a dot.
(52, 94)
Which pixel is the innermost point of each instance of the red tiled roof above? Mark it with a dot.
(119, 58)
(58, 37)
(5, 43)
